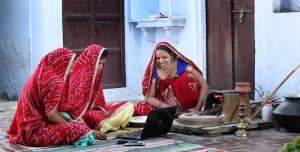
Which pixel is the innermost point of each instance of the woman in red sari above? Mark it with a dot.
(171, 79)
(87, 96)
(61, 83)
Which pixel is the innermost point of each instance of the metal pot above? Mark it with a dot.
(287, 114)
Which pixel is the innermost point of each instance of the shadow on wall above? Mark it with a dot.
(284, 6)
(4, 95)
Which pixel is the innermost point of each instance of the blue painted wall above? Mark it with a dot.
(14, 47)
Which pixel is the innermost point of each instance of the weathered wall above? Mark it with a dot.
(46, 28)
(277, 48)
(14, 47)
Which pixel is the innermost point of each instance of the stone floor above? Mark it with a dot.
(267, 140)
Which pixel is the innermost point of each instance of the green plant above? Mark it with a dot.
(292, 147)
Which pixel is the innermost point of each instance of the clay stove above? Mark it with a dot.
(230, 101)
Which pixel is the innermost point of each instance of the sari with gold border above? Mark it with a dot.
(185, 87)
(52, 87)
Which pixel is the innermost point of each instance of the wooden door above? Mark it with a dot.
(230, 43)
(102, 22)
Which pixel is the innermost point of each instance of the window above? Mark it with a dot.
(157, 14)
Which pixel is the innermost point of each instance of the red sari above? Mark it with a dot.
(52, 88)
(185, 87)
(86, 101)
(82, 83)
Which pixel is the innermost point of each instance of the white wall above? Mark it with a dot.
(14, 47)
(29, 30)
(277, 45)
(45, 27)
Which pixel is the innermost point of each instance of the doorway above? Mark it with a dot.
(230, 43)
(101, 22)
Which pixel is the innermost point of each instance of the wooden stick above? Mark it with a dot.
(273, 93)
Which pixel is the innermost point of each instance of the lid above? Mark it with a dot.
(292, 96)
(268, 102)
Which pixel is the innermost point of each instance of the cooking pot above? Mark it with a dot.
(287, 114)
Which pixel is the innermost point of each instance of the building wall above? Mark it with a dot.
(45, 28)
(29, 30)
(14, 47)
(43, 25)
(277, 47)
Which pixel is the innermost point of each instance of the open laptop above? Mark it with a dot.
(159, 122)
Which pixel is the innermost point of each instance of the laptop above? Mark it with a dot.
(158, 123)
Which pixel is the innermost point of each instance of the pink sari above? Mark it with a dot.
(185, 87)
(52, 88)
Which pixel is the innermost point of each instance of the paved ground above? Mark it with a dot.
(267, 140)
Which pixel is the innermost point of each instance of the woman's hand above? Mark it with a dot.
(156, 103)
(56, 117)
(98, 135)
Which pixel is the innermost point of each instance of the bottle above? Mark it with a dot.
(267, 111)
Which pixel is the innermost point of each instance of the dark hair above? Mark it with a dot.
(104, 54)
(167, 49)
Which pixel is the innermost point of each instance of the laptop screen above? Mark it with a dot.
(159, 122)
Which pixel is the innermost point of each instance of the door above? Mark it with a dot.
(102, 22)
(230, 43)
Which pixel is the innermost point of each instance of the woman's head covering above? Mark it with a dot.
(148, 76)
(48, 79)
(85, 79)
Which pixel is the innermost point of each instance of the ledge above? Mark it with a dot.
(170, 25)
(160, 22)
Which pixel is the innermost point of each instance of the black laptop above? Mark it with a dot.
(158, 123)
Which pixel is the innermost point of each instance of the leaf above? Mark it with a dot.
(297, 143)
(288, 148)
(292, 147)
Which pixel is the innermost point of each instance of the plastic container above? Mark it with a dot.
(266, 112)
